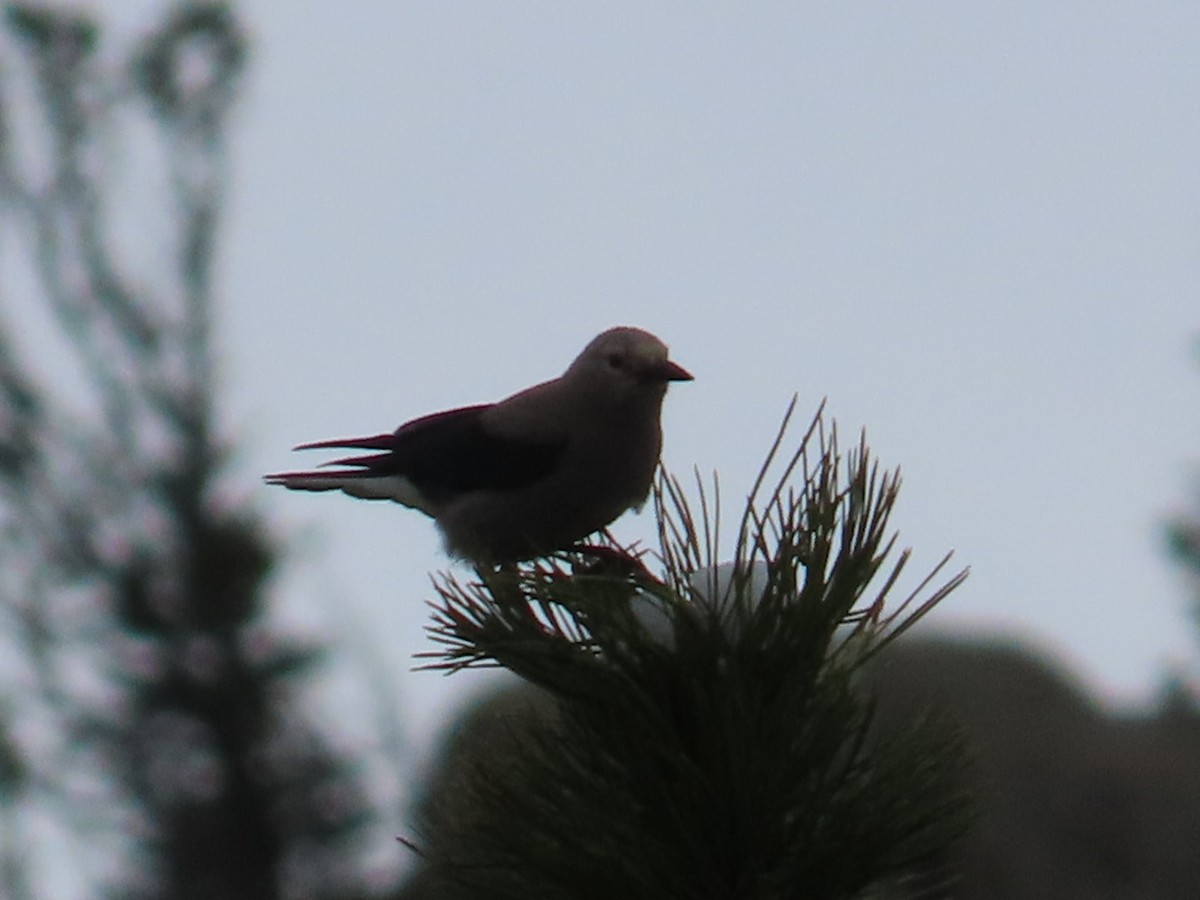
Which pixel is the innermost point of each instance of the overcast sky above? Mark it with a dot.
(973, 227)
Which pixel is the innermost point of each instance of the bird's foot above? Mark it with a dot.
(610, 559)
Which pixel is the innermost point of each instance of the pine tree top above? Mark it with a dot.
(711, 734)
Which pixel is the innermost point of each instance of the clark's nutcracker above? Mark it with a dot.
(532, 474)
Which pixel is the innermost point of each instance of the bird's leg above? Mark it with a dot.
(499, 578)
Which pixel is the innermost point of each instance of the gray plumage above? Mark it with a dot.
(534, 473)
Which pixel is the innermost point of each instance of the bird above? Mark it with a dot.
(527, 476)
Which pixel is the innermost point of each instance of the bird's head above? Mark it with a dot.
(624, 361)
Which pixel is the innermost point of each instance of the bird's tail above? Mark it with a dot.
(370, 477)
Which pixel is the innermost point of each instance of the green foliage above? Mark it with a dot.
(711, 736)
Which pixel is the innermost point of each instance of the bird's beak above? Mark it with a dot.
(665, 370)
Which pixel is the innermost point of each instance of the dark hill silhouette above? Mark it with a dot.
(1074, 801)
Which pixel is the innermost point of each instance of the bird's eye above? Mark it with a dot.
(613, 360)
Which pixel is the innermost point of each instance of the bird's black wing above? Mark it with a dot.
(448, 453)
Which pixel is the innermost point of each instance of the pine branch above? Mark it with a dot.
(712, 736)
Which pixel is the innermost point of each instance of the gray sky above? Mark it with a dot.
(972, 226)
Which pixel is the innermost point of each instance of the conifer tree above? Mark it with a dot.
(1183, 543)
(154, 713)
(710, 733)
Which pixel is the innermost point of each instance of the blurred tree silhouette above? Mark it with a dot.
(1183, 544)
(1183, 541)
(149, 713)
